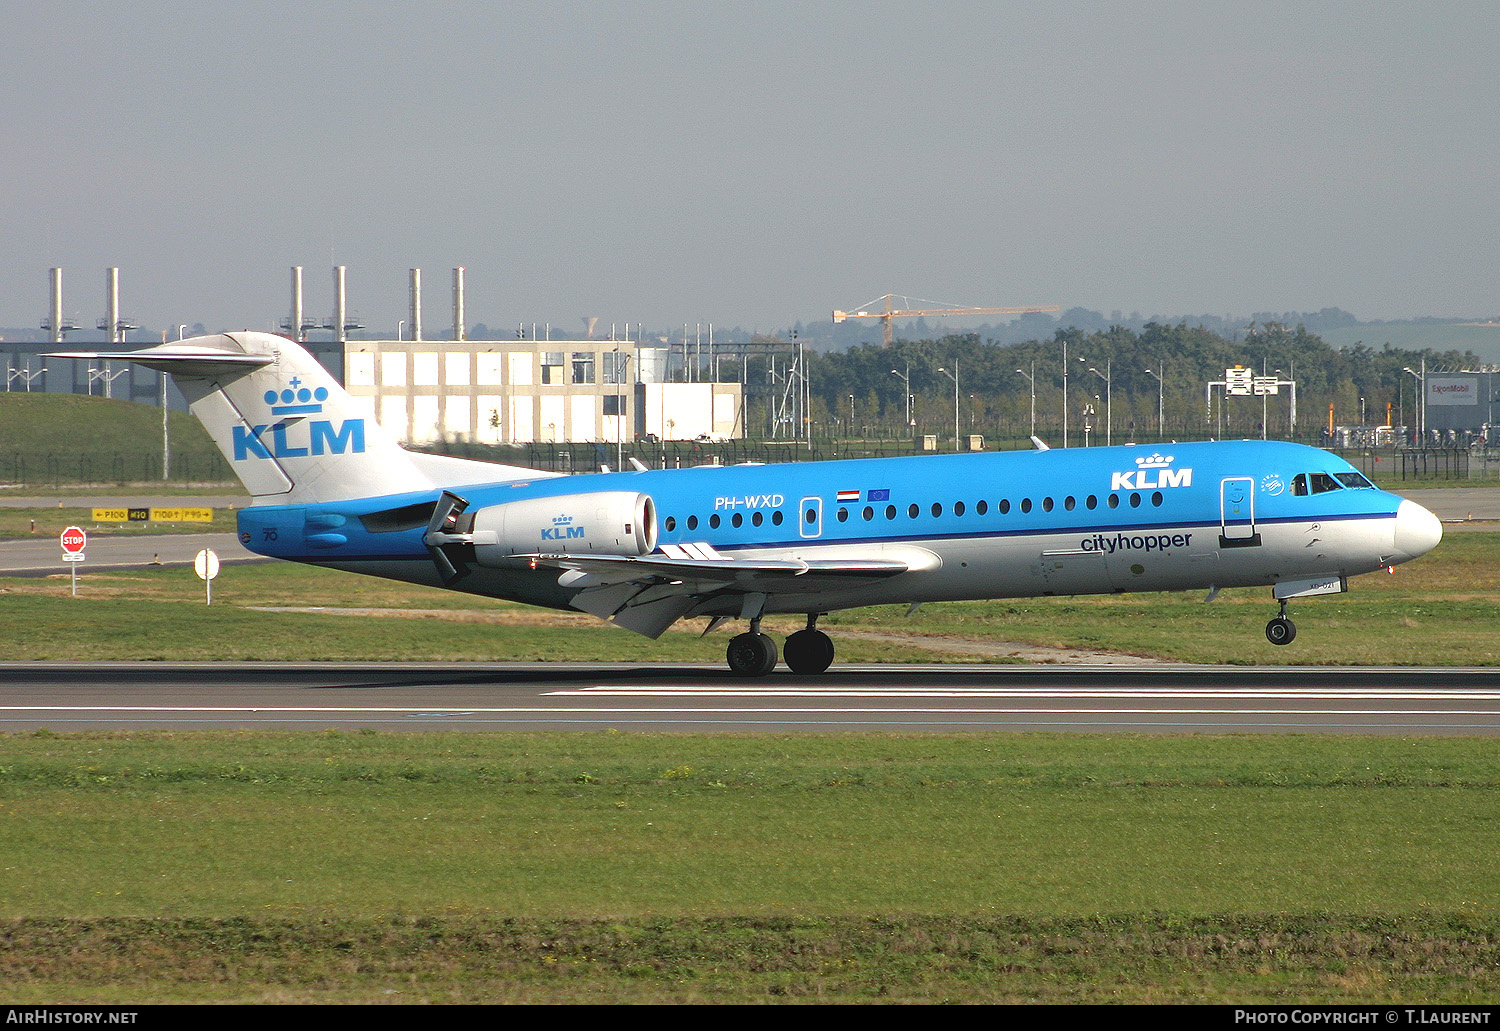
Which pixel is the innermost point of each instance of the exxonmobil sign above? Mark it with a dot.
(1452, 390)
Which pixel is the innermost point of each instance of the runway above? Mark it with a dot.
(686, 697)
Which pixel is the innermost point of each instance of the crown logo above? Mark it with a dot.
(562, 520)
(296, 399)
(1154, 461)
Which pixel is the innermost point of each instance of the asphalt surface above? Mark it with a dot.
(42, 556)
(685, 697)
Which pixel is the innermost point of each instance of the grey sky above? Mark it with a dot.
(749, 163)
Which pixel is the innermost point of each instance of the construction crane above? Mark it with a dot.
(887, 334)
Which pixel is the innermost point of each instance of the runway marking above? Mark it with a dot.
(420, 712)
(678, 690)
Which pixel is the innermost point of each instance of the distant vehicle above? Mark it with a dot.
(647, 548)
(711, 438)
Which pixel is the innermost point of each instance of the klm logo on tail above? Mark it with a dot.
(319, 438)
(296, 439)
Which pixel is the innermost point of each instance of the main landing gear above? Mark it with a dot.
(753, 654)
(1281, 630)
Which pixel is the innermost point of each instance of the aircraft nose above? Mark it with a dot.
(1417, 530)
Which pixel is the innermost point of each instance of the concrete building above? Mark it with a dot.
(533, 391)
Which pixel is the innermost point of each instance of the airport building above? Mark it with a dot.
(422, 391)
(544, 391)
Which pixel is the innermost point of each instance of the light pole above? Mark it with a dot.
(954, 377)
(13, 373)
(905, 378)
(1109, 419)
(1031, 378)
(1421, 379)
(1161, 400)
(1065, 391)
(622, 363)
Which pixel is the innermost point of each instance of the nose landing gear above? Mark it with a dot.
(1281, 630)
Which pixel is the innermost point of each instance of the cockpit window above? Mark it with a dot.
(1353, 479)
(1321, 483)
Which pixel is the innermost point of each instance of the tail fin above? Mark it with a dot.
(287, 428)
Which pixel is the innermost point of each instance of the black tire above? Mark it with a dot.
(1281, 631)
(808, 652)
(751, 655)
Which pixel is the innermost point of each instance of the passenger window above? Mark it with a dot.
(937, 510)
(843, 515)
(671, 524)
(758, 518)
(1070, 503)
(981, 507)
(1092, 502)
(776, 517)
(958, 508)
(738, 520)
(890, 511)
(1025, 504)
(913, 511)
(869, 513)
(1004, 507)
(692, 522)
(714, 521)
(1114, 501)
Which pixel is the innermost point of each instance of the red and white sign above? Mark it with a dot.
(74, 540)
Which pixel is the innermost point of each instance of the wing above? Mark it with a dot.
(649, 593)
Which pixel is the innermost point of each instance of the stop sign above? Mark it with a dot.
(73, 540)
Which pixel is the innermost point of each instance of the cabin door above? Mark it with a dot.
(1237, 513)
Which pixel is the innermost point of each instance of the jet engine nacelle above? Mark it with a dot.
(606, 523)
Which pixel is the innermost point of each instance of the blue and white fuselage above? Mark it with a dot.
(647, 548)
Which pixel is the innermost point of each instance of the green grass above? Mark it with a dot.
(536, 867)
(1441, 610)
(50, 440)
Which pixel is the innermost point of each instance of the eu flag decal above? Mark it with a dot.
(877, 495)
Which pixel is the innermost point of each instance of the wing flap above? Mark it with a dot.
(648, 594)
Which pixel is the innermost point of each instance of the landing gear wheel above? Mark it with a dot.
(751, 655)
(809, 652)
(1281, 630)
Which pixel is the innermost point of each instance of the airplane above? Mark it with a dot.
(646, 548)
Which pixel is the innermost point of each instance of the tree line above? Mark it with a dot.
(1121, 383)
